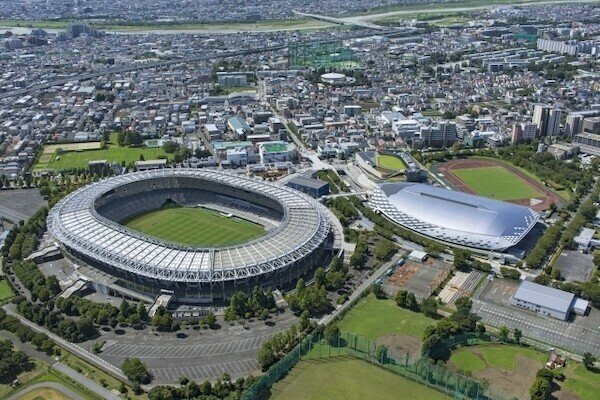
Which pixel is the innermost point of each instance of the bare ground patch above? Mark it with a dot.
(401, 343)
(514, 382)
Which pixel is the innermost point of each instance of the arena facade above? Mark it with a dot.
(298, 231)
(454, 217)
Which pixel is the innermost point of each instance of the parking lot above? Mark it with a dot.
(461, 284)
(575, 266)
(499, 291)
(194, 352)
(565, 335)
(419, 278)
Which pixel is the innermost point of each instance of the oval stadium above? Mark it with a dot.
(91, 225)
(453, 217)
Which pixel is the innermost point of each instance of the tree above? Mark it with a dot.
(588, 360)
(517, 333)
(381, 353)
(503, 333)
(332, 332)
(210, 319)
(400, 298)
(135, 370)
(429, 307)
(411, 301)
(377, 291)
(540, 389)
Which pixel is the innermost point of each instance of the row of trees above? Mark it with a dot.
(39, 340)
(258, 304)
(462, 320)
(279, 345)
(312, 299)
(45, 315)
(12, 362)
(223, 388)
(23, 239)
(334, 278)
(102, 313)
(40, 287)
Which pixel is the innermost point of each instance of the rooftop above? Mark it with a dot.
(548, 297)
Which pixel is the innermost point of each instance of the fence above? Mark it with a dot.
(410, 366)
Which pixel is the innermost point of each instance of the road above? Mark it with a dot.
(88, 383)
(365, 285)
(73, 348)
(11, 215)
(53, 385)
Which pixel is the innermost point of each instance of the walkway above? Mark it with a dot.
(53, 385)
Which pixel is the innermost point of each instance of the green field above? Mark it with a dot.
(5, 290)
(195, 226)
(389, 162)
(347, 378)
(372, 318)
(498, 356)
(80, 159)
(496, 182)
(585, 384)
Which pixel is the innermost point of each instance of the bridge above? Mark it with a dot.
(339, 21)
(346, 194)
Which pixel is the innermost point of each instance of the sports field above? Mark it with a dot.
(45, 394)
(195, 226)
(80, 159)
(496, 182)
(510, 370)
(392, 163)
(373, 318)
(347, 378)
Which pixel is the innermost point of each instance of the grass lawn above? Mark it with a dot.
(346, 378)
(5, 290)
(466, 360)
(195, 226)
(496, 182)
(373, 318)
(80, 159)
(494, 355)
(583, 383)
(44, 393)
(390, 162)
(25, 377)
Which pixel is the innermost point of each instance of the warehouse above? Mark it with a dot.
(544, 300)
(310, 186)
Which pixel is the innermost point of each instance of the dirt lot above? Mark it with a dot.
(419, 278)
(401, 344)
(447, 167)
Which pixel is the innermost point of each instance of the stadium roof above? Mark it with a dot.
(454, 217)
(75, 222)
(545, 296)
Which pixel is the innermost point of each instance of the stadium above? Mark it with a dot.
(454, 217)
(89, 225)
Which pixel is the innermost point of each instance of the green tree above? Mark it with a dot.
(381, 353)
(332, 332)
(518, 334)
(135, 370)
(429, 307)
(503, 333)
(588, 360)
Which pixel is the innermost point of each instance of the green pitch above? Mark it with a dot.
(347, 378)
(390, 162)
(372, 318)
(195, 226)
(80, 159)
(500, 356)
(497, 183)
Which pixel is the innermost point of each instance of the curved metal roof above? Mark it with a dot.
(453, 216)
(76, 224)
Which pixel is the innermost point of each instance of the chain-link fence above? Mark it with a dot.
(411, 366)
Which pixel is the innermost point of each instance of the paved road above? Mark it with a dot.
(360, 289)
(88, 383)
(73, 348)
(54, 385)
(11, 215)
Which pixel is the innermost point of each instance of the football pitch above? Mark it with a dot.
(390, 162)
(195, 226)
(347, 378)
(496, 182)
